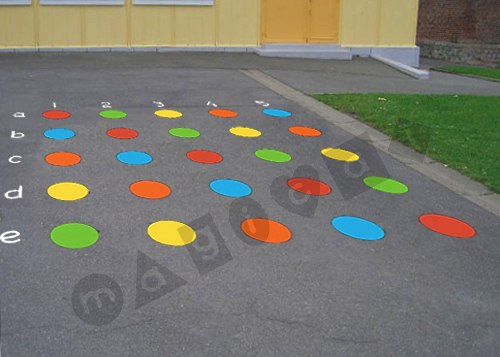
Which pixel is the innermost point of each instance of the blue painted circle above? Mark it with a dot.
(134, 158)
(278, 113)
(358, 228)
(231, 188)
(59, 134)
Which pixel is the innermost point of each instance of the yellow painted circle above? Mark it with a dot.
(339, 154)
(67, 191)
(172, 233)
(245, 132)
(168, 114)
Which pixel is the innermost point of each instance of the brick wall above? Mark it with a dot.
(459, 21)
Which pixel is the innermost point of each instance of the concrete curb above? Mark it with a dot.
(412, 72)
(451, 179)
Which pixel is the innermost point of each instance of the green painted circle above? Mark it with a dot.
(273, 155)
(386, 185)
(186, 133)
(113, 114)
(74, 235)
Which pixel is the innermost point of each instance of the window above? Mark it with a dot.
(82, 2)
(15, 2)
(174, 2)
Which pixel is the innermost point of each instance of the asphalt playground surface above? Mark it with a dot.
(415, 292)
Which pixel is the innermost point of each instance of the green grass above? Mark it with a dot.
(490, 73)
(460, 131)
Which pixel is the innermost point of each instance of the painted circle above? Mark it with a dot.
(122, 133)
(277, 113)
(134, 158)
(358, 228)
(231, 188)
(340, 154)
(185, 133)
(113, 114)
(204, 157)
(168, 114)
(74, 235)
(448, 226)
(63, 158)
(273, 155)
(153, 190)
(67, 191)
(171, 233)
(266, 230)
(386, 185)
(59, 134)
(304, 131)
(223, 113)
(309, 186)
(245, 132)
(56, 114)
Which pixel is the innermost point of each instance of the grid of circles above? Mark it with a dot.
(173, 233)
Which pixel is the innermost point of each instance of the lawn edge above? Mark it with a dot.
(436, 171)
(441, 70)
(372, 125)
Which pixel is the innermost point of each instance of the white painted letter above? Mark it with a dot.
(17, 158)
(18, 192)
(19, 115)
(10, 237)
(15, 135)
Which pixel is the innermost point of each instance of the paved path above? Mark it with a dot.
(309, 76)
(414, 292)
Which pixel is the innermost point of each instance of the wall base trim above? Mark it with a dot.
(237, 49)
(406, 55)
(409, 56)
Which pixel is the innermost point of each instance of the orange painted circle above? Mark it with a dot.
(447, 226)
(63, 159)
(266, 230)
(304, 131)
(223, 113)
(152, 190)
(56, 114)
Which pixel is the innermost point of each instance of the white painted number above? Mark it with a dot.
(106, 105)
(158, 104)
(262, 103)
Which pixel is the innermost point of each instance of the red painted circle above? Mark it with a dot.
(122, 133)
(448, 226)
(56, 114)
(204, 157)
(309, 186)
